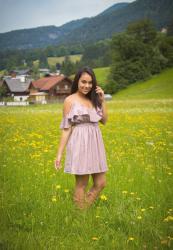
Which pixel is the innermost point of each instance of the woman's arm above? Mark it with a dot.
(100, 93)
(66, 132)
(105, 113)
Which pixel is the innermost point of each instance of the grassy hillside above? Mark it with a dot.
(101, 75)
(60, 59)
(160, 86)
(54, 60)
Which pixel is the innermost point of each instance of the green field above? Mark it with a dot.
(136, 211)
(159, 86)
(54, 60)
(101, 75)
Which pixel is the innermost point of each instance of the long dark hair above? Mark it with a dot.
(92, 95)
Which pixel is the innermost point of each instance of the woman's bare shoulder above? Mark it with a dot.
(70, 99)
(68, 102)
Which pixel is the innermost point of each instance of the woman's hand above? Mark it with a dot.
(58, 163)
(100, 93)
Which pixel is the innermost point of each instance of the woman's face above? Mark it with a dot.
(85, 83)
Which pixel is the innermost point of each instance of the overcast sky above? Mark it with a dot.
(20, 14)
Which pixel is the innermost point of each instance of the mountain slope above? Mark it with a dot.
(114, 19)
(46, 35)
(160, 11)
(37, 37)
(115, 7)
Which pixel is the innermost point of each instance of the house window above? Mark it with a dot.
(57, 87)
(66, 86)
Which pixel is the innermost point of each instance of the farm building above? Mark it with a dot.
(16, 88)
(50, 89)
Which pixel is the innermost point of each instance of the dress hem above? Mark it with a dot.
(68, 172)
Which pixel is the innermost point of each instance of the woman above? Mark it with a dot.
(85, 152)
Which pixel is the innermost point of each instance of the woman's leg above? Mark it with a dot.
(79, 192)
(99, 182)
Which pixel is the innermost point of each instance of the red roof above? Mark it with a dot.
(47, 83)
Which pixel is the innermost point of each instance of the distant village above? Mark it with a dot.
(19, 87)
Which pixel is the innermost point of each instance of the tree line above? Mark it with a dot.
(138, 53)
(134, 55)
(10, 59)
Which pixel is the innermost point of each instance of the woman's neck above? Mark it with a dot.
(80, 95)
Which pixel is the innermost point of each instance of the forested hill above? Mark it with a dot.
(41, 37)
(115, 7)
(102, 26)
(37, 37)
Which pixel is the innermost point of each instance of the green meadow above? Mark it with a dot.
(133, 212)
(158, 87)
(101, 75)
(60, 59)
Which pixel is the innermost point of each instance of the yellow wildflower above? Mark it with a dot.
(169, 218)
(54, 199)
(95, 238)
(58, 186)
(131, 238)
(66, 190)
(103, 197)
(139, 217)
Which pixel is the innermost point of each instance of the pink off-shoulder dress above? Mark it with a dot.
(85, 151)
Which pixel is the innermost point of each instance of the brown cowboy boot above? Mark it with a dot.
(79, 202)
(90, 197)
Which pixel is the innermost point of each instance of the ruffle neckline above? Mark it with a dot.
(79, 113)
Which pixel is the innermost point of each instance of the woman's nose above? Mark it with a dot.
(87, 84)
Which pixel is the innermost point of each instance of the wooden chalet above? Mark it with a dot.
(49, 89)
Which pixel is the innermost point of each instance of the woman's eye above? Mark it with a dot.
(86, 82)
